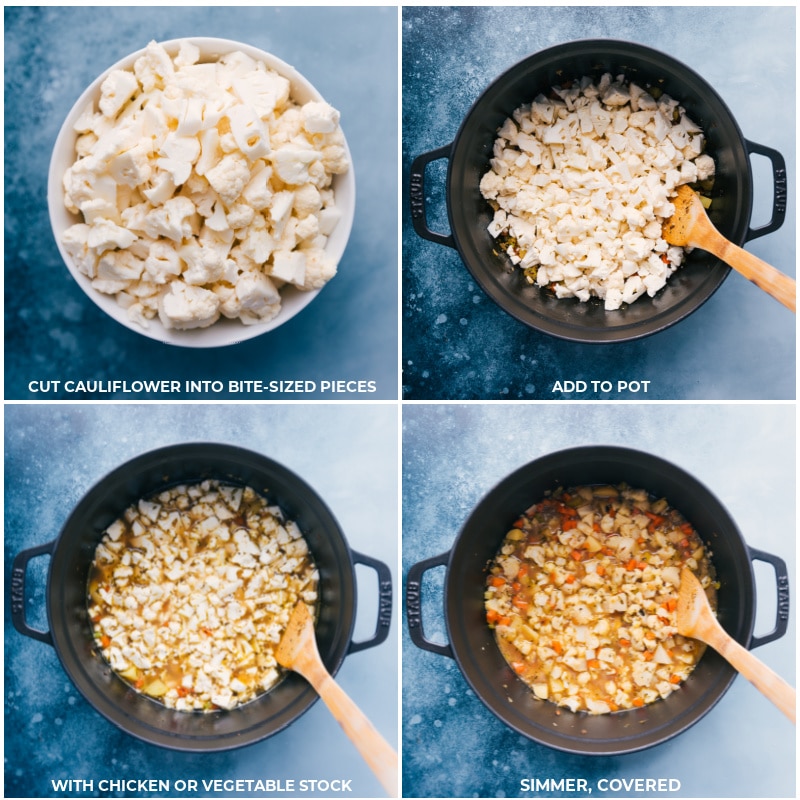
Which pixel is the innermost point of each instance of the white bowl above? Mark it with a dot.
(224, 331)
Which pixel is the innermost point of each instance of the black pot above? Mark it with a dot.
(469, 214)
(70, 631)
(472, 644)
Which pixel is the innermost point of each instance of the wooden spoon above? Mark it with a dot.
(690, 226)
(298, 651)
(695, 619)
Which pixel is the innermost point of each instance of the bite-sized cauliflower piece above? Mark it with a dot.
(258, 297)
(76, 242)
(229, 177)
(107, 235)
(320, 268)
(289, 266)
(183, 307)
(116, 90)
(319, 117)
(172, 221)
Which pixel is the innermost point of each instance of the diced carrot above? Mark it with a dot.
(593, 663)
(641, 565)
(492, 616)
(569, 524)
(571, 578)
(556, 645)
(638, 702)
(624, 642)
(577, 555)
(600, 570)
(631, 565)
(517, 666)
(674, 678)
(520, 602)
(523, 570)
(519, 523)
(596, 527)
(105, 641)
(516, 586)
(497, 581)
(647, 655)
(649, 635)
(504, 621)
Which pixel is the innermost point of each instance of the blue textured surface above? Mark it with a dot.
(53, 331)
(453, 746)
(457, 344)
(54, 454)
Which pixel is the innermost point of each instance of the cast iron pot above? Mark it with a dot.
(472, 644)
(70, 632)
(469, 214)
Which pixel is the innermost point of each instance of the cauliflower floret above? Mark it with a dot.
(229, 177)
(107, 235)
(320, 268)
(183, 307)
(203, 264)
(291, 163)
(76, 242)
(173, 220)
(116, 90)
(319, 117)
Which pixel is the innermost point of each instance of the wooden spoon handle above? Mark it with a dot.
(765, 276)
(375, 750)
(759, 674)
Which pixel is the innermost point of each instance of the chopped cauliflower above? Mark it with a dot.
(581, 183)
(191, 590)
(184, 168)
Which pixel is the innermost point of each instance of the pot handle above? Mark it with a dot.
(782, 584)
(779, 189)
(414, 604)
(384, 602)
(18, 573)
(416, 191)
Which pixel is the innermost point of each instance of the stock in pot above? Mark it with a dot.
(70, 630)
(471, 642)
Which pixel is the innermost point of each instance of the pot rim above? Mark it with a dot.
(497, 700)
(302, 695)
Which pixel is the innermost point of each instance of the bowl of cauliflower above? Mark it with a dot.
(201, 192)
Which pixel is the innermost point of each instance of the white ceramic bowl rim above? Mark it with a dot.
(225, 331)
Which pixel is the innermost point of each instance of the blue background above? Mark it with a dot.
(453, 746)
(458, 344)
(55, 453)
(53, 331)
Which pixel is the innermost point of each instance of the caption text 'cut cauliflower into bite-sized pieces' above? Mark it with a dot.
(581, 183)
(583, 593)
(204, 188)
(191, 590)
